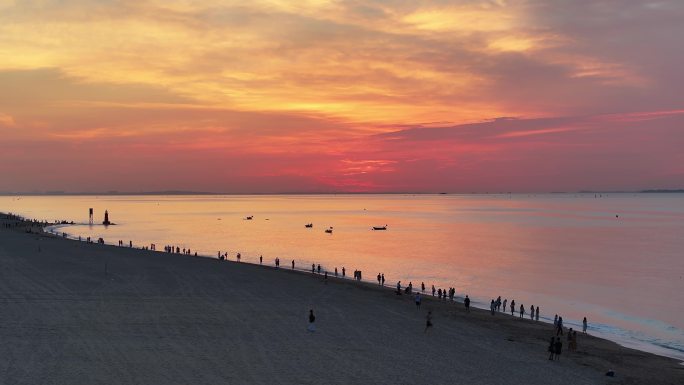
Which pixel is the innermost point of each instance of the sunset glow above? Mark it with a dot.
(330, 96)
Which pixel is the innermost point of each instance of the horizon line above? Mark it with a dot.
(181, 192)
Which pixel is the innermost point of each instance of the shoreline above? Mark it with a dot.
(478, 334)
(613, 334)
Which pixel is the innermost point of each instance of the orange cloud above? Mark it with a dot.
(367, 92)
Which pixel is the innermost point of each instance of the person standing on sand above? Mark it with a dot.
(428, 321)
(261, 259)
(344, 271)
(512, 306)
(399, 288)
(383, 279)
(293, 264)
(319, 268)
(557, 348)
(492, 307)
(335, 271)
(504, 304)
(522, 310)
(422, 287)
(552, 348)
(584, 325)
(313, 268)
(555, 321)
(537, 313)
(559, 327)
(379, 279)
(466, 302)
(418, 301)
(532, 312)
(312, 319)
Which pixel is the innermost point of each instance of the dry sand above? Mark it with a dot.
(157, 318)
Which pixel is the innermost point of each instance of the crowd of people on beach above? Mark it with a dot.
(443, 295)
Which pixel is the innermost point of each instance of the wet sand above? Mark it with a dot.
(78, 313)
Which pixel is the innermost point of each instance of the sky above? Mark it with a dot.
(272, 96)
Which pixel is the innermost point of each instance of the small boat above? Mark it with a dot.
(380, 227)
(329, 231)
(309, 225)
(249, 218)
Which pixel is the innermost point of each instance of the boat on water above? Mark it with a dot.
(329, 230)
(309, 225)
(249, 218)
(380, 227)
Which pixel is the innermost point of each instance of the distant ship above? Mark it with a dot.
(309, 225)
(380, 227)
(329, 231)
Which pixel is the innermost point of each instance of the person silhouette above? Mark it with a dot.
(466, 302)
(557, 348)
(428, 321)
(312, 319)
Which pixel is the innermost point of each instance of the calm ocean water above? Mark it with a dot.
(617, 259)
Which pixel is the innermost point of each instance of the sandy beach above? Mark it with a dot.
(79, 313)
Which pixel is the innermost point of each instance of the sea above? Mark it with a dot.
(616, 258)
